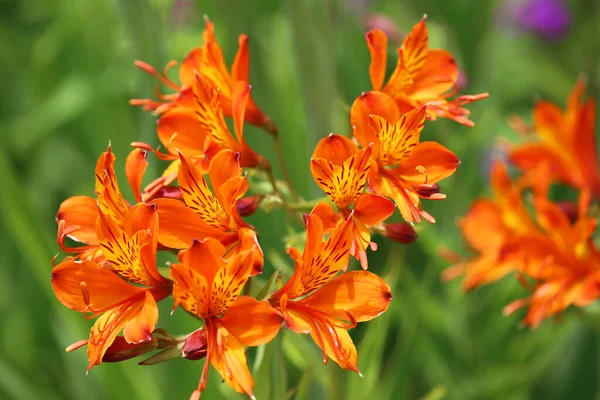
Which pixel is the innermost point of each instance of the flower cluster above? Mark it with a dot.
(551, 251)
(196, 210)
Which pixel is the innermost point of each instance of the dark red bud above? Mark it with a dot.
(248, 205)
(195, 345)
(168, 192)
(401, 232)
(428, 190)
(120, 350)
(570, 209)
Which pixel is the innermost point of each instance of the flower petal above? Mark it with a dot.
(190, 290)
(482, 226)
(85, 286)
(437, 76)
(368, 103)
(139, 329)
(430, 162)
(204, 257)
(335, 148)
(240, 69)
(229, 282)
(260, 329)
(329, 217)
(377, 44)
(110, 199)
(372, 209)
(80, 211)
(135, 167)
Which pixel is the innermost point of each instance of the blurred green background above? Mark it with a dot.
(67, 75)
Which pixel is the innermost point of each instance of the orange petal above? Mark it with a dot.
(85, 286)
(229, 359)
(354, 295)
(430, 162)
(398, 140)
(329, 217)
(189, 66)
(80, 211)
(335, 148)
(180, 130)
(240, 70)
(437, 76)
(108, 326)
(528, 156)
(190, 289)
(240, 96)
(204, 257)
(377, 44)
(139, 329)
(372, 209)
(125, 253)
(110, 199)
(411, 58)
(135, 167)
(199, 198)
(482, 226)
(405, 197)
(343, 183)
(368, 103)
(229, 282)
(179, 225)
(248, 241)
(337, 344)
(260, 329)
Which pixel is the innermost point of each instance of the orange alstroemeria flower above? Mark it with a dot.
(76, 216)
(564, 262)
(207, 60)
(494, 228)
(124, 289)
(341, 170)
(405, 169)
(317, 302)
(200, 131)
(566, 148)
(422, 76)
(209, 287)
(205, 214)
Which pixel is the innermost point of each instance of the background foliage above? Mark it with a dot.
(67, 74)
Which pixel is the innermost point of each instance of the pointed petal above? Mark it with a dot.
(139, 329)
(260, 329)
(398, 140)
(343, 183)
(80, 211)
(110, 199)
(368, 103)
(482, 226)
(179, 130)
(335, 148)
(240, 70)
(204, 257)
(329, 217)
(180, 225)
(229, 282)
(248, 241)
(430, 162)
(191, 290)
(437, 76)
(377, 44)
(371, 209)
(240, 96)
(357, 295)
(85, 286)
(135, 167)
(337, 344)
(229, 359)
(199, 198)
(189, 66)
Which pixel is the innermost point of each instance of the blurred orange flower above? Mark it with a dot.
(341, 170)
(124, 289)
(405, 168)
(422, 76)
(315, 301)
(209, 286)
(566, 149)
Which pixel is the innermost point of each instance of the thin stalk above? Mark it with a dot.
(274, 132)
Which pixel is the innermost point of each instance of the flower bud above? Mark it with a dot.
(120, 350)
(400, 232)
(195, 345)
(169, 192)
(248, 205)
(570, 209)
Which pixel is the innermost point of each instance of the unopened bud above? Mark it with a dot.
(248, 205)
(429, 190)
(400, 232)
(168, 192)
(120, 350)
(195, 345)
(570, 209)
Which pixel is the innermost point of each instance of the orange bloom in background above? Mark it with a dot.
(207, 60)
(566, 149)
(564, 262)
(77, 215)
(405, 169)
(205, 213)
(209, 287)
(124, 289)
(341, 170)
(494, 228)
(317, 302)
(422, 76)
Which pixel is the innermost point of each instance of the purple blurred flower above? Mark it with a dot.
(183, 13)
(547, 18)
(384, 23)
